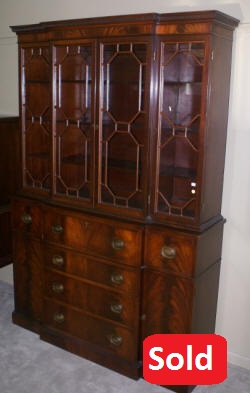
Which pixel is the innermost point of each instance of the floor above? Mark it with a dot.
(28, 365)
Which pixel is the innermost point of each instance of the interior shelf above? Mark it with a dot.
(179, 172)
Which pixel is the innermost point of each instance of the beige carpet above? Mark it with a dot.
(29, 365)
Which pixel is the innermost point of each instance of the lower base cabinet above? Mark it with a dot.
(97, 287)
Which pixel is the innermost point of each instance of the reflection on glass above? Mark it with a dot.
(180, 113)
(123, 124)
(73, 68)
(37, 126)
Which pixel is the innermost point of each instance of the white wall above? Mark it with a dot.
(233, 317)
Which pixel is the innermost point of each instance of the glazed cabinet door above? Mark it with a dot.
(73, 119)
(123, 125)
(182, 92)
(36, 117)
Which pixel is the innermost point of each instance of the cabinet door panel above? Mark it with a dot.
(167, 304)
(28, 276)
(36, 117)
(74, 108)
(123, 121)
(182, 76)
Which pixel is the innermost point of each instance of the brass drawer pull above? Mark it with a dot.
(118, 244)
(57, 287)
(26, 218)
(116, 308)
(115, 340)
(57, 260)
(57, 228)
(58, 317)
(117, 278)
(168, 252)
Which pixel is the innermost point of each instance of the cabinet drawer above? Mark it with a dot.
(112, 338)
(170, 251)
(97, 237)
(93, 299)
(77, 264)
(26, 216)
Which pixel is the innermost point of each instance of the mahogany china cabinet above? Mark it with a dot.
(9, 181)
(117, 226)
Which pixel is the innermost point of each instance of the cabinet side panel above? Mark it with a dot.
(215, 133)
(205, 301)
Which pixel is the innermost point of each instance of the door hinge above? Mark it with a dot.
(154, 56)
(212, 55)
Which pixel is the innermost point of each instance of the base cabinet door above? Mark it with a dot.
(167, 303)
(28, 280)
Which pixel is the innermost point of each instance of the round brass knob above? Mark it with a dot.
(117, 278)
(115, 340)
(118, 244)
(116, 308)
(57, 228)
(168, 252)
(57, 287)
(59, 317)
(26, 218)
(57, 260)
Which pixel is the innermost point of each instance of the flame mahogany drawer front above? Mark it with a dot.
(93, 270)
(108, 336)
(171, 252)
(104, 238)
(106, 303)
(27, 217)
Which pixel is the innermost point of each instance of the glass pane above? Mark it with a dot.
(73, 67)
(123, 122)
(37, 123)
(180, 113)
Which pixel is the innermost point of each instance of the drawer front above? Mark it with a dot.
(77, 264)
(92, 299)
(170, 251)
(26, 216)
(101, 238)
(109, 337)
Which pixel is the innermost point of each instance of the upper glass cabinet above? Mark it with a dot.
(73, 125)
(123, 127)
(181, 75)
(36, 117)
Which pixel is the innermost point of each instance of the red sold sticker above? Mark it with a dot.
(185, 359)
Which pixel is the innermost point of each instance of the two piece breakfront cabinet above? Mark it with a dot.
(117, 226)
